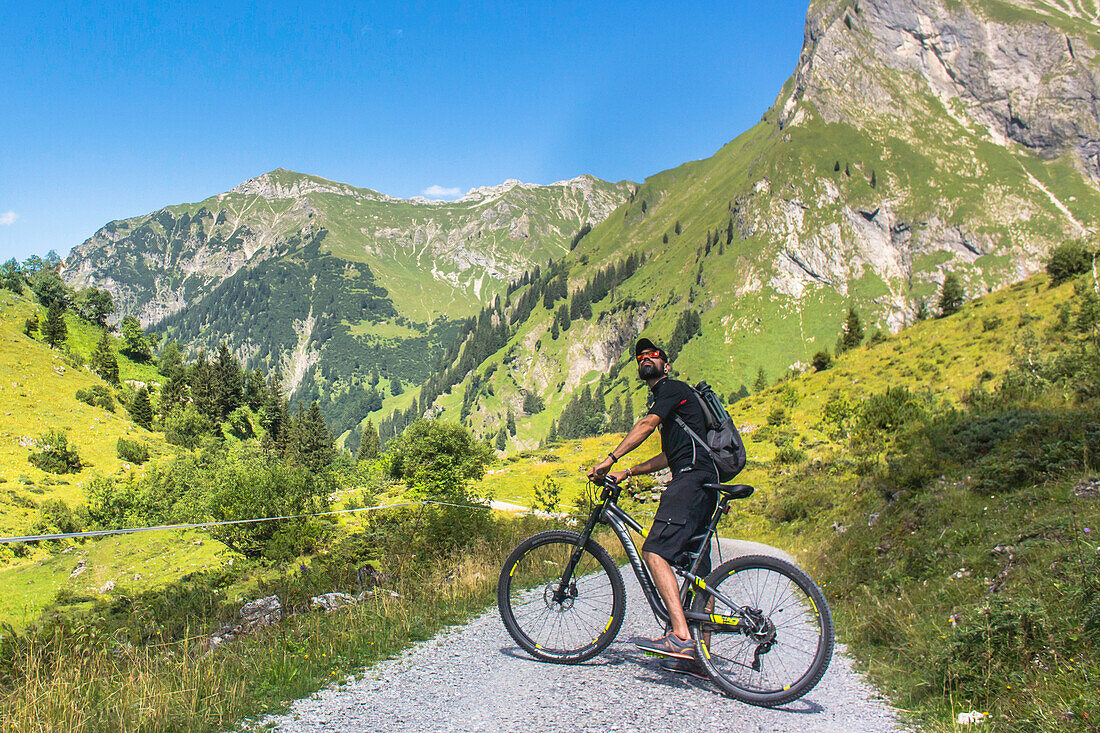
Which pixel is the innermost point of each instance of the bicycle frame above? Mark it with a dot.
(608, 512)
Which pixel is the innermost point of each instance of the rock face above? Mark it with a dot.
(1030, 76)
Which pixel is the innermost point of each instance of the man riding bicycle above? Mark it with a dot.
(685, 508)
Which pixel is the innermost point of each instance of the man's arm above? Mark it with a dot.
(637, 435)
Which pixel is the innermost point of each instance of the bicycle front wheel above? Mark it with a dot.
(564, 624)
(783, 639)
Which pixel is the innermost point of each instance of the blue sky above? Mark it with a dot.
(115, 110)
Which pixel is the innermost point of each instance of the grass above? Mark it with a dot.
(37, 391)
(89, 676)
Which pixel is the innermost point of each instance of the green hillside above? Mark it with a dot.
(837, 199)
(38, 388)
(941, 485)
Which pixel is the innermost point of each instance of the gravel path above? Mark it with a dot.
(474, 678)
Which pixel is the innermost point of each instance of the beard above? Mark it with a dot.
(648, 370)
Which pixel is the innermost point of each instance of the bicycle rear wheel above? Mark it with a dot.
(561, 625)
(781, 645)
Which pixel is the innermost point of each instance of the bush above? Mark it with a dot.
(132, 451)
(822, 360)
(56, 455)
(55, 517)
(438, 460)
(97, 396)
(1068, 260)
(186, 427)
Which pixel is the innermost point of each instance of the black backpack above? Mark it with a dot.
(723, 443)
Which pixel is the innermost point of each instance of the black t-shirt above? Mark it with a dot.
(672, 398)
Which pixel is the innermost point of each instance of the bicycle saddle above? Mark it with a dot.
(733, 491)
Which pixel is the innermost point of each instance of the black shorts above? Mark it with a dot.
(685, 511)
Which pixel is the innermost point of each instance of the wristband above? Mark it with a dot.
(614, 460)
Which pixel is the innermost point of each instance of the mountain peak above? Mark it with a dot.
(287, 184)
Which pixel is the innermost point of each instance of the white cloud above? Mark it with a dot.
(441, 192)
(9, 217)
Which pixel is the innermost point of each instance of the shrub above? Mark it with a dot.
(790, 453)
(97, 396)
(56, 455)
(438, 460)
(186, 427)
(132, 451)
(991, 323)
(822, 360)
(1067, 260)
(547, 495)
(55, 517)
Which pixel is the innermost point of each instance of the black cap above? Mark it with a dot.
(645, 344)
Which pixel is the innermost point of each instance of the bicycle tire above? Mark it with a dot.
(798, 622)
(572, 631)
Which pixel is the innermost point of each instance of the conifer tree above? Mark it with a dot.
(502, 439)
(172, 395)
(30, 327)
(228, 382)
(951, 295)
(54, 329)
(255, 389)
(103, 360)
(395, 386)
(678, 228)
(761, 382)
(312, 439)
(851, 333)
(664, 239)
(369, 443)
(511, 424)
(921, 312)
(141, 409)
(204, 388)
(170, 361)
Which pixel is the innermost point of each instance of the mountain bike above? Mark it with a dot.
(763, 630)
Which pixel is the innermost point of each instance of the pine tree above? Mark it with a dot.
(851, 333)
(678, 228)
(836, 167)
(172, 395)
(30, 327)
(204, 389)
(395, 386)
(502, 439)
(228, 382)
(921, 312)
(141, 409)
(54, 329)
(369, 443)
(511, 424)
(873, 179)
(313, 441)
(664, 239)
(951, 295)
(255, 389)
(103, 360)
(761, 382)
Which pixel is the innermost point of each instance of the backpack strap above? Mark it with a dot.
(694, 436)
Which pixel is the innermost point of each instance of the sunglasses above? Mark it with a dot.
(650, 354)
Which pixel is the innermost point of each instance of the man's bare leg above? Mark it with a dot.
(665, 580)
